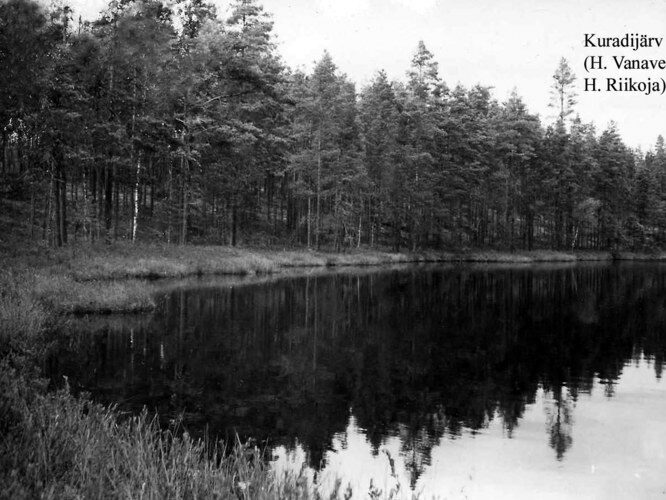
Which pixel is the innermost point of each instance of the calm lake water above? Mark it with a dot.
(473, 382)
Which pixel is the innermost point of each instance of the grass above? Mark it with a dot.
(64, 294)
(117, 278)
(23, 320)
(56, 445)
(122, 261)
(661, 256)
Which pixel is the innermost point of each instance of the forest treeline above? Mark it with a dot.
(161, 121)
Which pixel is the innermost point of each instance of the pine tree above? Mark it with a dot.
(328, 157)
(613, 187)
(379, 113)
(420, 104)
(563, 94)
(517, 144)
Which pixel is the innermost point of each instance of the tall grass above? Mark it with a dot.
(117, 278)
(22, 318)
(63, 294)
(56, 445)
(148, 261)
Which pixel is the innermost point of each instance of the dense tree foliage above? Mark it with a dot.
(162, 121)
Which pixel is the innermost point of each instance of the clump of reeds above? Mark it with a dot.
(63, 294)
(56, 445)
(22, 318)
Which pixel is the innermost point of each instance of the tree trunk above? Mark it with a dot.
(116, 204)
(56, 200)
(309, 228)
(108, 195)
(135, 217)
(234, 224)
(47, 210)
(62, 203)
(32, 211)
(360, 215)
(169, 199)
(318, 221)
(183, 229)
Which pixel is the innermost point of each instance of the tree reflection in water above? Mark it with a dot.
(419, 354)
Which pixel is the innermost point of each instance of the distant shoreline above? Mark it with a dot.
(123, 278)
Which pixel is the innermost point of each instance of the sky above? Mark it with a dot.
(502, 44)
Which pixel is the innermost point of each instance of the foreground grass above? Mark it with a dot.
(21, 316)
(56, 445)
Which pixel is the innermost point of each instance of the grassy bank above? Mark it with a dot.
(142, 261)
(117, 278)
(59, 446)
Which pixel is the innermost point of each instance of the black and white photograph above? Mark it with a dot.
(332, 249)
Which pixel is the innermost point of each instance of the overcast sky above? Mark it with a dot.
(503, 44)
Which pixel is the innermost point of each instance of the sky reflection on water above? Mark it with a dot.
(478, 382)
(610, 456)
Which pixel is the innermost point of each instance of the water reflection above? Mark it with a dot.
(421, 358)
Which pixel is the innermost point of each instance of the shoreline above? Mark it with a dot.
(40, 293)
(110, 279)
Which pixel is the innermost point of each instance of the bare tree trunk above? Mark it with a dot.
(152, 196)
(234, 224)
(4, 152)
(86, 208)
(62, 204)
(309, 216)
(183, 229)
(98, 207)
(47, 212)
(169, 199)
(56, 200)
(116, 204)
(318, 221)
(108, 199)
(32, 212)
(374, 224)
(135, 218)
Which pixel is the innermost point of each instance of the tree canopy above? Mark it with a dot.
(162, 121)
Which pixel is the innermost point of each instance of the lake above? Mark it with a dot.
(456, 381)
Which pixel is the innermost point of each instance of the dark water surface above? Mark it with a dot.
(477, 382)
